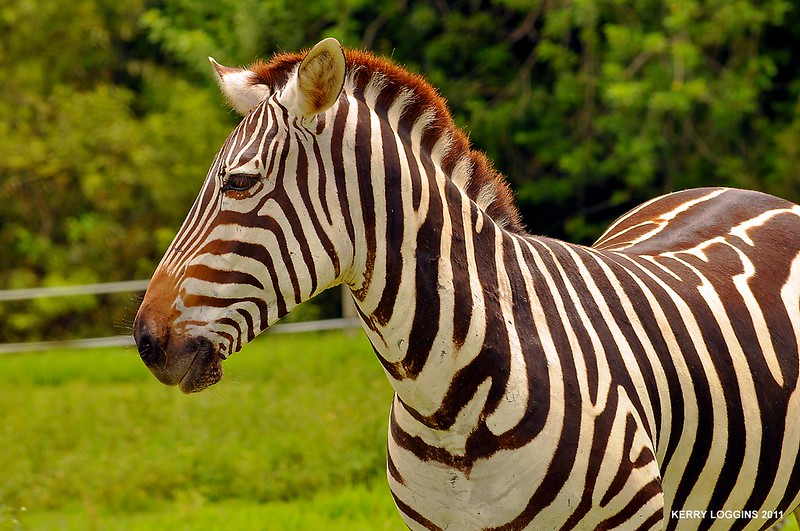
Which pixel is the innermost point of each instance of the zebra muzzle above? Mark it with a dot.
(190, 363)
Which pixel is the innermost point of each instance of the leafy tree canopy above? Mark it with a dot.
(109, 115)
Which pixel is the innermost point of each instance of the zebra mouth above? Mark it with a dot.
(204, 370)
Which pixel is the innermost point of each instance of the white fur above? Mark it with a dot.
(239, 87)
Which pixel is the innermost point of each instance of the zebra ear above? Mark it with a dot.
(240, 87)
(318, 82)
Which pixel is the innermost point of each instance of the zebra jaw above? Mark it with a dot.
(204, 370)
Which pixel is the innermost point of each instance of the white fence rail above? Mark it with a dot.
(346, 322)
(67, 291)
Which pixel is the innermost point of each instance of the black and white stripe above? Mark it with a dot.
(539, 384)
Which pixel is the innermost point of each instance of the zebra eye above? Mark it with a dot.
(239, 182)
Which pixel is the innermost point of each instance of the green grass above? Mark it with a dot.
(293, 437)
(348, 509)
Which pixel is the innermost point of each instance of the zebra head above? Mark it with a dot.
(263, 234)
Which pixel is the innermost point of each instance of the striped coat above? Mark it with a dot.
(647, 382)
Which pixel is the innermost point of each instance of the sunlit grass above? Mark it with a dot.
(294, 434)
(293, 438)
(350, 508)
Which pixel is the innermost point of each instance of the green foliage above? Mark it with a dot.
(591, 107)
(109, 115)
(104, 149)
(93, 435)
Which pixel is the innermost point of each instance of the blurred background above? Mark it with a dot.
(110, 117)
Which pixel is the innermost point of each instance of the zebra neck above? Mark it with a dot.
(427, 271)
(435, 314)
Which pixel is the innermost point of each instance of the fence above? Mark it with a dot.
(348, 321)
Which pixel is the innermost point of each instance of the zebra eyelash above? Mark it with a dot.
(239, 182)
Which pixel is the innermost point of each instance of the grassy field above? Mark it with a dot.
(294, 437)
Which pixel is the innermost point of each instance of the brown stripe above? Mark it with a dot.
(395, 224)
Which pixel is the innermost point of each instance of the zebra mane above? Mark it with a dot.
(387, 81)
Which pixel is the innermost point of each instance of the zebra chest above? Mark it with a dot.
(439, 481)
(435, 495)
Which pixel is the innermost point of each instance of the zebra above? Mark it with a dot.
(649, 381)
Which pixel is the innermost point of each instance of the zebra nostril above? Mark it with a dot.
(147, 342)
(148, 347)
(145, 345)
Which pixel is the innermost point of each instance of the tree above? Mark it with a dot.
(104, 150)
(110, 117)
